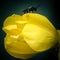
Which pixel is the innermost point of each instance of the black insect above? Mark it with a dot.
(30, 9)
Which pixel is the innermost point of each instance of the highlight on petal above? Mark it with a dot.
(21, 22)
(10, 27)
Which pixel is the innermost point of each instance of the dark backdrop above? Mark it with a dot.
(45, 7)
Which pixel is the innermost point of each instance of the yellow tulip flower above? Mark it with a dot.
(28, 34)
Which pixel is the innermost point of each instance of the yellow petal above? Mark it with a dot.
(38, 39)
(18, 48)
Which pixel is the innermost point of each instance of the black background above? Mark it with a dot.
(49, 8)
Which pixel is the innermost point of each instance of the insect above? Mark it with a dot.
(30, 9)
